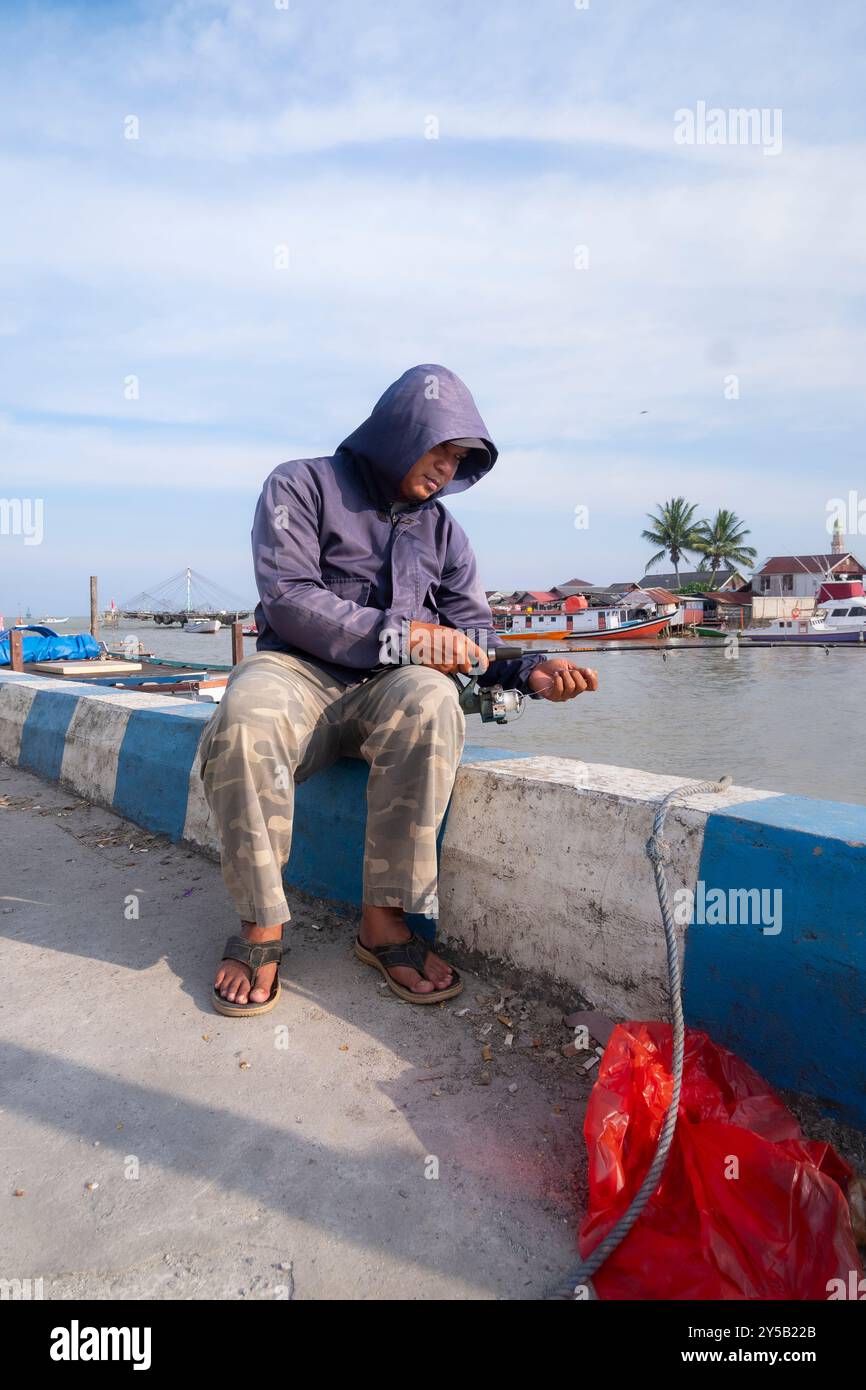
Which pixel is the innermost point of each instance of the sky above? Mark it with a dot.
(229, 224)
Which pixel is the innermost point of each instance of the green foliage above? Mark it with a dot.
(674, 530)
(720, 543)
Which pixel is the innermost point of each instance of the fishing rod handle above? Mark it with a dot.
(512, 651)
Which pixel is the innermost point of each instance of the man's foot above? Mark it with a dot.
(233, 978)
(382, 926)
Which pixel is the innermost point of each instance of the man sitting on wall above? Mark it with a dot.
(353, 555)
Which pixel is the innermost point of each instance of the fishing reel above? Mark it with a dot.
(494, 704)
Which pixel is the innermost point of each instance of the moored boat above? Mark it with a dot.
(625, 631)
(805, 631)
(586, 625)
(202, 625)
(844, 615)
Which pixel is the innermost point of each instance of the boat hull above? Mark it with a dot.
(627, 633)
(803, 639)
(205, 625)
(648, 628)
(531, 636)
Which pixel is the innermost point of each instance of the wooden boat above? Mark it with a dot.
(625, 632)
(586, 625)
(520, 627)
(193, 685)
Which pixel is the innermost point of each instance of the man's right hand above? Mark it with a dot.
(445, 649)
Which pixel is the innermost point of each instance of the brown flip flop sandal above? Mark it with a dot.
(413, 953)
(255, 954)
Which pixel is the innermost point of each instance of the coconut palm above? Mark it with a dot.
(720, 542)
(675, 530)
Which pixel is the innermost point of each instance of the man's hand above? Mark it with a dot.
(557, 679)
(445, 649)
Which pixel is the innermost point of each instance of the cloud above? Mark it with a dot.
(305, 128)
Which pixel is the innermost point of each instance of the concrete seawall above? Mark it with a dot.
(543, 865)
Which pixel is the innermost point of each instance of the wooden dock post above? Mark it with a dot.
(94, 607)
(16, 650)
(237, 642)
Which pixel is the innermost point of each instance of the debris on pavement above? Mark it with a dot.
(597, 1024)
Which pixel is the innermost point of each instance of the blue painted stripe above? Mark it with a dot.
(153, 768)
(840, 820)
(327, 858)
(43, 736)
(328, 835)
(793, 1003)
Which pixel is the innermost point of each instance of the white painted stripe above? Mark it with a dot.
(16, 697)
(631, 783)
(92, 747)
(543, 865)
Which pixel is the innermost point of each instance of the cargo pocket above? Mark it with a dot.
(356, 590)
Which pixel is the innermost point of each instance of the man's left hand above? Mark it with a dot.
(558, 680)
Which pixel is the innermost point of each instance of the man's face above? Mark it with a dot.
(432, 471)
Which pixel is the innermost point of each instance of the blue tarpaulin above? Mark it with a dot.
(44, 644)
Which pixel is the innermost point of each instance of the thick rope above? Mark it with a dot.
(580, 1285)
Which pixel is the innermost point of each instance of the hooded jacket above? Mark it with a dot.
(337, 564)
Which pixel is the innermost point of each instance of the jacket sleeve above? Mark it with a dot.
(462, 603)
(297, 603)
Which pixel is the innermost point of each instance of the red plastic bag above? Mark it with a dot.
(746, 1209)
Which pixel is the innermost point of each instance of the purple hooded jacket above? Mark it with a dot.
(335, 564)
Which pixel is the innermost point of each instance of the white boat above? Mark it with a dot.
(839, 616)
(202, 625)
(809, 630)
(52, 622)
(843, 615)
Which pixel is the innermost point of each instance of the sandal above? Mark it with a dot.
(413, 953)
(255, 954)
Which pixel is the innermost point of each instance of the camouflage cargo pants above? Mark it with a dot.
(281, 719)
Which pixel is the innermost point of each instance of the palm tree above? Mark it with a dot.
(720, 542)
(675, 530)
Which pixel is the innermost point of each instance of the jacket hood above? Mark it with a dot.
(426, 406)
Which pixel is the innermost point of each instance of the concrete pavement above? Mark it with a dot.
(166, 1152)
